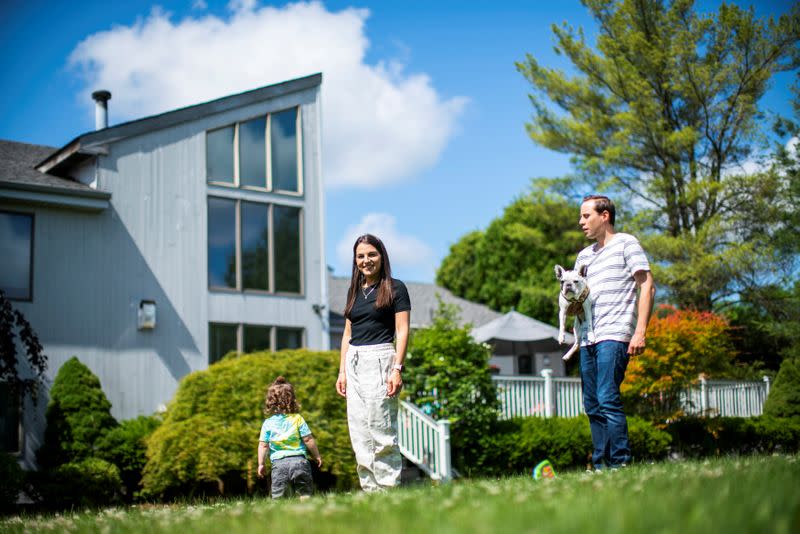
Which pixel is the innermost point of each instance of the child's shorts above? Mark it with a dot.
(291, 469)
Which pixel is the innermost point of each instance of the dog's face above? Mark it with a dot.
(573, 283)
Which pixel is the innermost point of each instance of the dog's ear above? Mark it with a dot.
(559, 271)
(583, 270)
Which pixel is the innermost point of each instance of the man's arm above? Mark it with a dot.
(647, 292)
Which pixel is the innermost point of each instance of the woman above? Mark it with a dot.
(370, 368)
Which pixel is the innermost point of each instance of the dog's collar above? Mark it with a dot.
(580, 298)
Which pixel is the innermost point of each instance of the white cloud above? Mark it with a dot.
(380, 124)
(407, 253)
(199, 5)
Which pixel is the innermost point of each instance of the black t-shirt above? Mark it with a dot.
(370, 326)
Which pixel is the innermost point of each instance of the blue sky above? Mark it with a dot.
(424, 110)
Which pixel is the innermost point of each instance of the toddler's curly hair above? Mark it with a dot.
(280, 398)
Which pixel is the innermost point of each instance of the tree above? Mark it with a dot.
(664, 113)
(784, 396)
(11, 322)
(449, 378)
(510, 264)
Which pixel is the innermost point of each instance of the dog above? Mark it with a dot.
(573, 300)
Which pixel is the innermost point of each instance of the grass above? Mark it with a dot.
(752, 494)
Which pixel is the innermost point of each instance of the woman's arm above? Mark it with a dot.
(341, 380)
(401, 327)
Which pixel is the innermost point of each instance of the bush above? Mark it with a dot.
(209, 436)
(784, 395)
(449, 377)
(78, 414)
(516, 445)
(681, 344)
(710, 436)
(13, 481)
(88, 482)
(125, 447)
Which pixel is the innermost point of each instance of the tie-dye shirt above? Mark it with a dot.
(284, 433)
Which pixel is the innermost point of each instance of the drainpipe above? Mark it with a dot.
(101, 99)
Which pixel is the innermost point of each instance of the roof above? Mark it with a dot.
(514, 326)
(20, 181)
(93, 143)
(423, 303)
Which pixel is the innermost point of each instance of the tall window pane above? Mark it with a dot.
(16, 251)
(255, 233)
(9, 418)
(219, 155)
(221, 242)
(257, 338)
(289, 338)
(287, 248)
(283, 144)
(221, 340)
(253, 153)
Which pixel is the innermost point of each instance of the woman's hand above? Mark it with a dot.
(341, 385)
(395, 383)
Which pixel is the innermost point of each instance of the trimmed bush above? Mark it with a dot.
(13, 481)
(701, 436)
(125, 447)
(208, 440)
(516, 445)
(87, 483)
(78, 414)
(784, 395)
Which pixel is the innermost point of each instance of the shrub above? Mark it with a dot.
(449, 377)
(125, 447)
(13, 481)
(784, 395)
(209, 436)
(681, 344)
(88, 482)
(710, 436)
(78, 414)
(516, 445)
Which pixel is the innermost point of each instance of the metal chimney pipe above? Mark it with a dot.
(101, 99)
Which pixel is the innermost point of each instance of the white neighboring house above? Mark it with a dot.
(149, 249)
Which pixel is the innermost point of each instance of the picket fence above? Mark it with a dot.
(426, 441)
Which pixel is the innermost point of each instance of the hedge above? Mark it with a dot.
(208, 440)
(125, 447)
(89, 482)
(711, 436)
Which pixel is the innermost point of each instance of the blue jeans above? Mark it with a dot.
(602, 371)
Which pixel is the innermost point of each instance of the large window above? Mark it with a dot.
(261, 153)
(9, 418)
(16, 255)
(254, 246)
(225, 337)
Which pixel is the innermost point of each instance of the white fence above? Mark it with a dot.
(546, 396)
(425, 441)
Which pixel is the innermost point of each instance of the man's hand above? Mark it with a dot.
(394, 384)
(636, 345)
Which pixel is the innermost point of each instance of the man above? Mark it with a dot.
(617, 268)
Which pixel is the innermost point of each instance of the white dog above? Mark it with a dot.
(573, 300)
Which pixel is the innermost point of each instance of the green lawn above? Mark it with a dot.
(753, 494)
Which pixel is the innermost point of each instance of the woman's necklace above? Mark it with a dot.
(368, 293)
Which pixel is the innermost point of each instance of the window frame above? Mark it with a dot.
(240, 327)
(239, 288)
(32, 248)
(268, 185)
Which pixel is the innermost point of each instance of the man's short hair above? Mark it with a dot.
(603, 203)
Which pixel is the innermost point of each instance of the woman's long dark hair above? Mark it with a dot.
(385, 294)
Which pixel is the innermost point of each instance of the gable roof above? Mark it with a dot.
(92, 143)
(21, 182)
(423, 303)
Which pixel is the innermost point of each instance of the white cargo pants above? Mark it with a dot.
(372, 416)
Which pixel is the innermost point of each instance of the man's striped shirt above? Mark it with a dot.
(612, 287)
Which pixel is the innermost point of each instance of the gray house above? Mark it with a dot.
(151, 248)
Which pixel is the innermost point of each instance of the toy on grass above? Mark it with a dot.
(544, 469)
